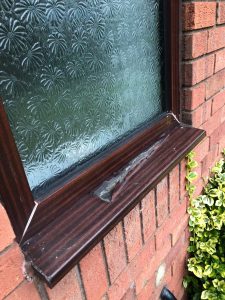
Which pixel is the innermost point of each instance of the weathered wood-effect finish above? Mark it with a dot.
(172, 37)
(100, 171)
(83, 220)
(70, 220)
(14, 189)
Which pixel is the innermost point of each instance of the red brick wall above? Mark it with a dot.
(153, 237)
(122, 266)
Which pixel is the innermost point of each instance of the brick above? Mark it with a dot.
(206, 110)
(201, 150)
(216, 38)
(6, 233)
(114, 243)
(67, 289)
(148, 215)
(179, 229)
(178, 250)
(205, 169)
(120, 286)
(215, 83)
(199, 15)
(151, 266)
(178, 271)
(209, 161)
(166, 279)
(198, 70)
(178, 255)
(218, 101)
(130, 293)
(174, 194)
(209, 65)
(222, 143)
(217, 135)
(223, 114)
(199, 185)
(148, 290)
(194, 96)
(221, 13)
(162, 201)
(194, 118)
(195, 44)
(25, 291)
(132, 226)
(94, 274)
(10, 270)
(212, 123)
(163, 234)
(183, 294)
(198, 170)
(140, 263)
(176, 284)
(183, 179)
(219, 60)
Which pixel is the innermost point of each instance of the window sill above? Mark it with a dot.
(83, 221)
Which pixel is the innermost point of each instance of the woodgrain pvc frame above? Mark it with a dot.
(14, 188)
(172, 38)
(57, 231)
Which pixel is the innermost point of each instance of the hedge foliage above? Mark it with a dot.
(206, 265)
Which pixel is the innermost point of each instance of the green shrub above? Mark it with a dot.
(206, 265)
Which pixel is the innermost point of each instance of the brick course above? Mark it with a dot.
(94, 273)
(148, 215)
(198, 70)
(198, 15)
(25, 291)
(221, 13)
(68, 288)
(6, 233)
(216, 38)
(11, 274)
(194, 96)
(114, 243)
(132, 227)
(195, 44)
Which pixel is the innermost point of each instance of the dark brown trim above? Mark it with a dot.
(90, 179)
(172, 37)
(110, 160)
(54, 246)
(15, 192)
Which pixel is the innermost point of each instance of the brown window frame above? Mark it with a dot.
(57, 231)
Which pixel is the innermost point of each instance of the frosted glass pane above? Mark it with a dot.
(77, 76)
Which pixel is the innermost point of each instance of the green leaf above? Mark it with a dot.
(208, 270)
(185, 283)
(205, 295)
(219, 203)
(192, 164)
(191, 155)
(192, 176)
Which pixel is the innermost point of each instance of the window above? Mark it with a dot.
(78, 78)
(85, 126)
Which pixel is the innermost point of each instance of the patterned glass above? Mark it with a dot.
(77, 76)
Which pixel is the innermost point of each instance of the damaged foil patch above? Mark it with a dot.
(106, 189)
